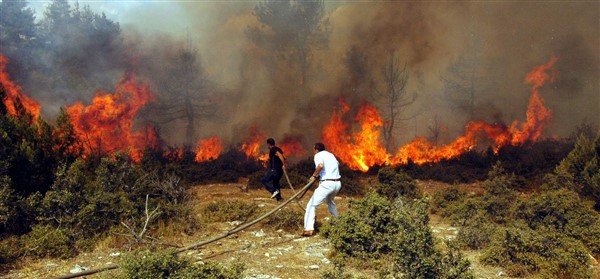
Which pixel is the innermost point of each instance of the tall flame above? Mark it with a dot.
(106, 125)
(359, 150)
(14, 94)
(208, 149)
(538, 116)
(364, 149)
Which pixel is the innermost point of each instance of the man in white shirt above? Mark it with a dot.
(327, 170)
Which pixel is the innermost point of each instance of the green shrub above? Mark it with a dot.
(47, 241)
(286, 219)
(413, 246)
(461, 213)
(166, 264)
(375, 228)
(10, 249)
(453, 265)
(364, 231)
(563, 212)
(523, 251)
(513, 247)
(228, 210)
(212, 270)
(477, 233)
(393, 184)
(580, 170)
(499, 198)
(443, 199)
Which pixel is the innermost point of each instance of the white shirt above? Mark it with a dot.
(330, 165)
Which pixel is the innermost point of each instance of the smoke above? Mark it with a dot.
(508, 39)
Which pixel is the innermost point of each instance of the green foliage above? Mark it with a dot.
(91, 199)
(413, 246)
(499, 199)
(441, 200)
(376, 228)
(228, 210)
(287, 219)
(166, 264)
(523, 251)
(580, 170)
(393, 184)
(365, 230)
(10, 249)
(7, 201)
(477, 233)
(453, 265)
(48, 241)
(562, 212)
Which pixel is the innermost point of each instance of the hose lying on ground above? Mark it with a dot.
(202, 243)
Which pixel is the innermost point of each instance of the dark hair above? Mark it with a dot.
(271, 141)
(319, 146)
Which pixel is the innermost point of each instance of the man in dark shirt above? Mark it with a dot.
(274, 170)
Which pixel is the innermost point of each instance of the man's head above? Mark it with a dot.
(270, 142)
(319, 146)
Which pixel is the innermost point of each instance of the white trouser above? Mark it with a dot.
(324, 193)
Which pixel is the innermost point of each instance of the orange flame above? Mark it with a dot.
(106, 125)
(291, 147)
(14, 94)
(538, 116)
(359, 150)
(173, 154)
(363, 149)
(251, 144)
(208, 149)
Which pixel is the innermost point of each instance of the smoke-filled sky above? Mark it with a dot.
(506, 39)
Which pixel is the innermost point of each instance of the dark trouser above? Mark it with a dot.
(271, 180)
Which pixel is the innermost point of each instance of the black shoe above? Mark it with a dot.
(279, 198)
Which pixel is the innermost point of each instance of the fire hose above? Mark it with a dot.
(292, 187)
(296, 195)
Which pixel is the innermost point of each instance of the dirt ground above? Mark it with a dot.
(266, 253)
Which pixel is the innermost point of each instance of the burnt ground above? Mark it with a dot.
(266, 253)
